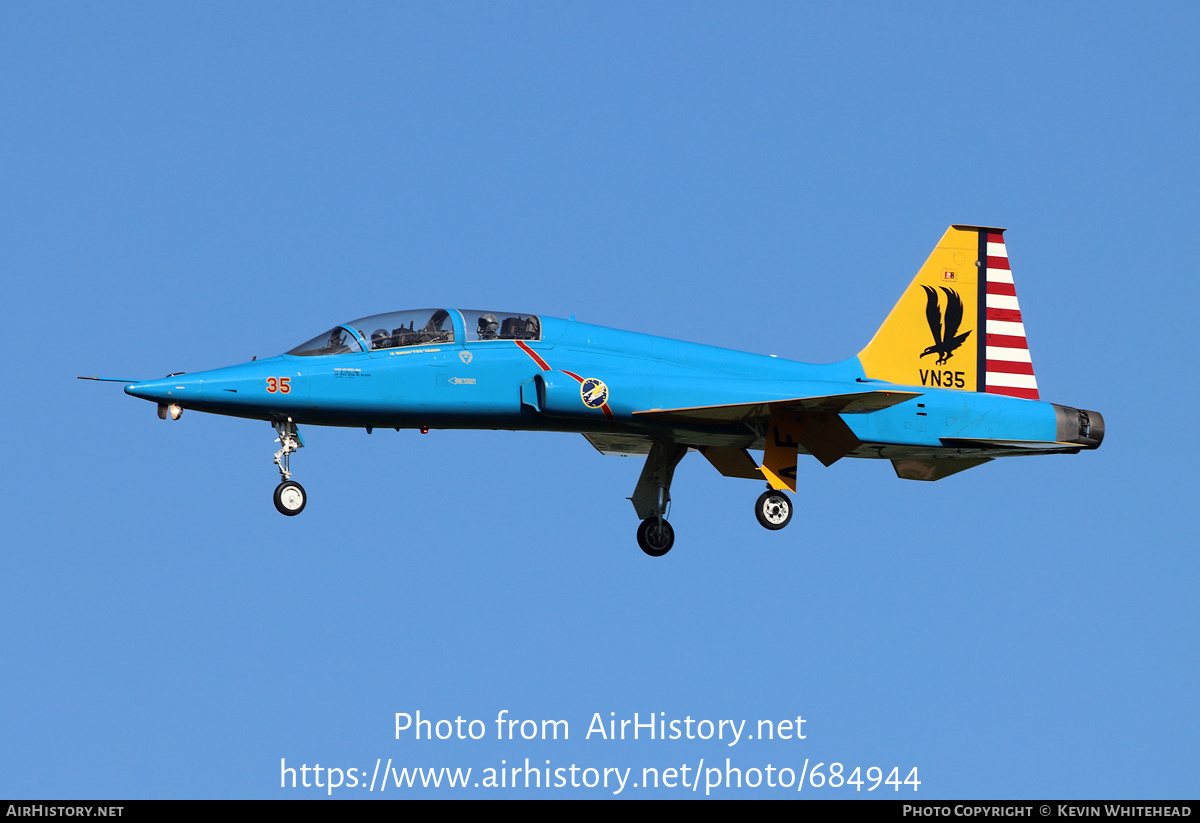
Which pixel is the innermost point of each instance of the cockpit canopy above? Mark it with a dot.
(487, 325)
(420, 327)
(335, 341)
(405, 328)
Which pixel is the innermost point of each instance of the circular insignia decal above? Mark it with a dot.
(593, 392)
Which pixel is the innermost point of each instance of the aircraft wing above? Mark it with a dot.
(731, 461)
(813, 423)
(854, 403)
(622, 445)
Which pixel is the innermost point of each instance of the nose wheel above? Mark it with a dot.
(773, 510)
(290, 498)
(289, 495)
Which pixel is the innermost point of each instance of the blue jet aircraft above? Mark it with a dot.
(946, 384)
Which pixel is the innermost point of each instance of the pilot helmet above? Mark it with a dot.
(488, 324)
(381, 339)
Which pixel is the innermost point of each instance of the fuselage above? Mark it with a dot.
(541, 382)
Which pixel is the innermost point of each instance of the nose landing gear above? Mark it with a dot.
(290, 497)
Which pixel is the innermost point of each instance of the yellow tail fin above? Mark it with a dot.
(958, 324)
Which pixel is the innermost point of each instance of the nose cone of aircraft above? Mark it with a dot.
(220, 390)
(167, 390)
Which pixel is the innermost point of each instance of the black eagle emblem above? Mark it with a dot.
(944, 342)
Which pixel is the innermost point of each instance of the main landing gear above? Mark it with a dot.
(289, 495)
(652, 498)
(655, 536)
(773, 509)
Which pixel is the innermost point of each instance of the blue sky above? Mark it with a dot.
(189, 185)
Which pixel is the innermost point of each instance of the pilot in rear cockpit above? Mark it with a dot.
(488, 327)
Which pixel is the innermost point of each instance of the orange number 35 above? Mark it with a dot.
(283, 385)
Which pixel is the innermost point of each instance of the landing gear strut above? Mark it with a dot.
(773, 509)
(652, 498)
(290, 498)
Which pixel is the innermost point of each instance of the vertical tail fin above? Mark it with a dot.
(958, 324)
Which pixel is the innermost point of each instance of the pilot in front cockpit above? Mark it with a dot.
(337, 341)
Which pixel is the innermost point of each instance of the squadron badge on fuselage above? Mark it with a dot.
(593, 392)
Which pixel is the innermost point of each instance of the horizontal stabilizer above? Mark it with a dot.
(1008, 445)
(854, 403)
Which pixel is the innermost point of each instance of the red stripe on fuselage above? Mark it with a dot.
(536, 359)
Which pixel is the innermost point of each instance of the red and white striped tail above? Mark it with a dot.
(1009, 368)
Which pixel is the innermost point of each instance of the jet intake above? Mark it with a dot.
(563, 394)
(1078, 426)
